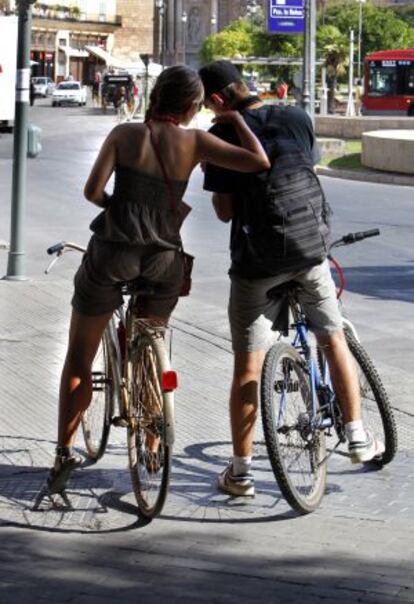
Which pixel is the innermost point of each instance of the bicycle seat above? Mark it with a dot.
(139, 286)
(283, 293)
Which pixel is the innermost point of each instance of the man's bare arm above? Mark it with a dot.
(223, 206)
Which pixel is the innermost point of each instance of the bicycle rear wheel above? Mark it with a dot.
(149, 414)
(377, 414)
(296, 452)
(96, 420)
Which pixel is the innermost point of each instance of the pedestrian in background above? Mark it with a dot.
(32, 94)
(282, 91)
(358, 97)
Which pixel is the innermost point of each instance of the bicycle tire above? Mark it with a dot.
(302, 492)
(96, 420)
(148, 420)
(376, 409)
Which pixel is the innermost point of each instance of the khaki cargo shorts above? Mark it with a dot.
(106, 264)
(252, 313)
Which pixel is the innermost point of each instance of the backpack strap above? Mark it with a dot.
(167, 180)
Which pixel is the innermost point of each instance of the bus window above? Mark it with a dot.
(382, 80)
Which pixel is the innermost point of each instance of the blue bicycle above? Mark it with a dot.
(300, 409)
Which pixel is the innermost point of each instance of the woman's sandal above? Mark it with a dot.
(59, 474)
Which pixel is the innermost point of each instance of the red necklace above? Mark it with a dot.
(166, 118)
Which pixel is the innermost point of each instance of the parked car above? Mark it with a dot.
(69, 93)
(43, 86)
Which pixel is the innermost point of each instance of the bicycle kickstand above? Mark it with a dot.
(325, 459)
(45, 493)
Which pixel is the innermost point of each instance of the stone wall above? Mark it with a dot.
(137, 33)
(352, 127)
(389, 150)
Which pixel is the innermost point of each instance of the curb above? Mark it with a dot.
(367, 176)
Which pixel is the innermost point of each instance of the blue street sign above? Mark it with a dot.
(286, 16)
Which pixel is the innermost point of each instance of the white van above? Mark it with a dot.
(8, 51)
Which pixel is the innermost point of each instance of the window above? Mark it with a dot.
(102, 11)
(382, 79)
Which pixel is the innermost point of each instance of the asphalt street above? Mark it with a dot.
(358, 547)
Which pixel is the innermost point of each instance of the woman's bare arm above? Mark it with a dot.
(250, 157)
(103, 167)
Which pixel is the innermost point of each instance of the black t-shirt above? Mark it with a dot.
(293, 132)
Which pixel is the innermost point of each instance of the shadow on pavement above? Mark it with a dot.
(385, 282)
(194, 566)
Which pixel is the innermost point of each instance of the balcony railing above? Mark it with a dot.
(73, 15)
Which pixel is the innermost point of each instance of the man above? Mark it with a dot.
(251, 312)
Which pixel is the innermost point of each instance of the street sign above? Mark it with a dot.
(286, 16)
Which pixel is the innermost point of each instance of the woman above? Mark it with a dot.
(137, 234)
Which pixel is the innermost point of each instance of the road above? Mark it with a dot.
(358, 547)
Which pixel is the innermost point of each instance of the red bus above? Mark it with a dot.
(389, 83)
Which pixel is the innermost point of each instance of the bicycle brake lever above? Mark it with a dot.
(51, 265)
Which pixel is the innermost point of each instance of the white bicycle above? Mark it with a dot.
(133, 387)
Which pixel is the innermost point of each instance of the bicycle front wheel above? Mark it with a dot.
(96, 420)
(377, 414)
(150, 415)
(296, 452)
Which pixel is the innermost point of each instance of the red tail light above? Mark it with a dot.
(169, 380)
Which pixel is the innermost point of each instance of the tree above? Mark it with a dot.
(244, 37)
(333, 48)
(382, 29)
(236, 40)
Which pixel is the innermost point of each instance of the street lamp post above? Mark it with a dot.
(159, 4)
(145, 59)
(184, 19)
(308, 83)
(16, 259)
(213, 16)
(213, 23)
(361, 2)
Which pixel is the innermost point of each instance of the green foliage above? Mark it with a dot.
(236, 40)
(332, 46)
(243, 38)
(382, 29)
(406, 13)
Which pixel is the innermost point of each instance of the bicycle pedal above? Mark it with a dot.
(119, 422)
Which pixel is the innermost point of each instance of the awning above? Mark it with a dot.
(136, 67)
(74, 52)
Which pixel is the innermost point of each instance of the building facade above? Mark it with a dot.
(182, 25)
(61, 33)
(64, 33)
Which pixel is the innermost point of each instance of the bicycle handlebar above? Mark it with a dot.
(354, 237)
(59, 249)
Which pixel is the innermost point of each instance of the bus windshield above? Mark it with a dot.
(382, 80)
(387, 78)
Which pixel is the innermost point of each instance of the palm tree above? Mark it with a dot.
(333, 48)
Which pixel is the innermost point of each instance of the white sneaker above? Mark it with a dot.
(236, 486)
(363, 451)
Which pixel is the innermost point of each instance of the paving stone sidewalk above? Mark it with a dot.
(358, 547)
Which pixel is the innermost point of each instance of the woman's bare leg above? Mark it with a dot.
(76, 382)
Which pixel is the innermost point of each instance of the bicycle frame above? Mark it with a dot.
(125, 316)
(323, 399)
